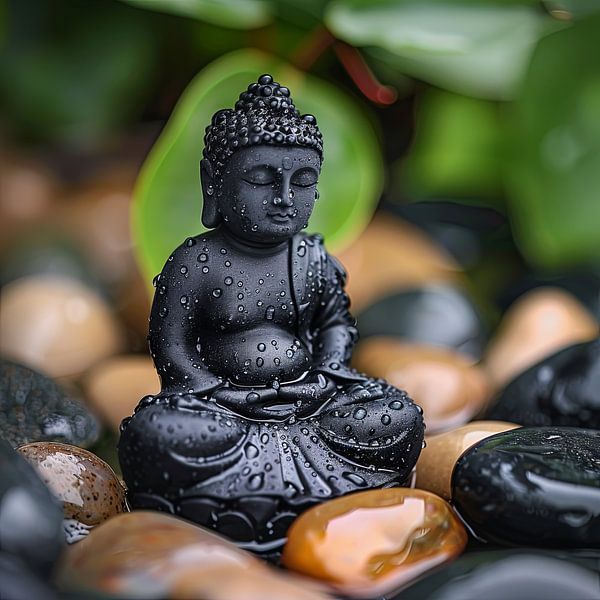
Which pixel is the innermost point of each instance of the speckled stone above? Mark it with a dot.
(507, 574)
(536, 486)
(537, 325)
(437, 459)
(30, 517)
(444, 383)
(436, 314)
(152, 555)
(87, 487)
(374, 542)
(114, 387)
(33, 408)
(57, 325)
(562, 389)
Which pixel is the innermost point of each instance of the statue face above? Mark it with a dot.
(268, 192)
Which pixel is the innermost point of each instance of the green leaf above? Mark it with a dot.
(456, 151)
(237, 14)
(474, 48)
(168, 202)
(555, 166)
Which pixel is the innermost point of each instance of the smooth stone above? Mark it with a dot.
(97, 216)
(374, 542)
(151, 555)
(536, 486)
(437, 459)
(446, 384)
(391, 255)
(17, 582)
(56, 325)
(537, 325)
(34, 408)
(114, 387)
(30, 517)
(562, 389)
(438, 315)
(87, 487)
(507, 574)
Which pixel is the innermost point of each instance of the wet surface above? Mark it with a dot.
(532, 486)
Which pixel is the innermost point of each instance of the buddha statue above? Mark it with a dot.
(260, 415)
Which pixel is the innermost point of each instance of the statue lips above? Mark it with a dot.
(281, 217)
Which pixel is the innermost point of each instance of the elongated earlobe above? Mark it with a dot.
(211, 217)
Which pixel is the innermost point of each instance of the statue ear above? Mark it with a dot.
(211, 217)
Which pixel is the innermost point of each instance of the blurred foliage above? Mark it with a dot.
(505, 93)
(475, 48)
(242, 14)
(456, 151)
(555, 152)
(74, 83)
(168, 194)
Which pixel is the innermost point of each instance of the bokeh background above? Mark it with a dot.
(465, 132)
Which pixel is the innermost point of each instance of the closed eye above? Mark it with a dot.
(259, 176)
(305, 177)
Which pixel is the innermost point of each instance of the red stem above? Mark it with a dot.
(360, 72)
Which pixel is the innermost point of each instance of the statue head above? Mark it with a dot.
(261, 165)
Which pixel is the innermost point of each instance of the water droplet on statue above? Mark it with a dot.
(183, 270)
(396, 405)
(301, 250)
(252, 397)
(386, 419)
(251, 451)
(205, 269)
(228, 280)
(357, 480)
(269, 313)
(164, 311)
(260, 362)
(202, 257)
(255, 482)
(359, 414)
(210, 190)
(217, 292)
(261, 347)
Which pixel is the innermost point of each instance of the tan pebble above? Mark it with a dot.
(152, 555)
(97, 216)
(437, 459)
(537, 325)
(114, 387)
(375, 542)
(56, 325)
(446, 384)
(87, 487)
(391, 255)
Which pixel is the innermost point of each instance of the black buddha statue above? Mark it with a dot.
(260, 416)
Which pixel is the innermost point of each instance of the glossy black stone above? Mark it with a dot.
(507, 574)
(33, 409)
(535, 486)
(260, 415)
(563, 389)
(31, 520)
(438, 314)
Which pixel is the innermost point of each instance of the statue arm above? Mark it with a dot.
(173, 334)
(334, 327)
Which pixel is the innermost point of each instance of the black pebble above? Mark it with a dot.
(534, 486)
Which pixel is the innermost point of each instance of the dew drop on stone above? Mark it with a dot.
(240, 308)
(396, 405)
(252, 397)
(301, 250)
(217, 292)
(261, 347)
(277, 361)
(260, 361)
(202, 257)
(183, 270)
(227, 263)
(164, 311)
(228, 280)
(190, 242)
(205, 269)
(183, 300)
(386, 419)
(264, 438)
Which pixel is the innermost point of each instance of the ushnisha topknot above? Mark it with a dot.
(264, 114)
